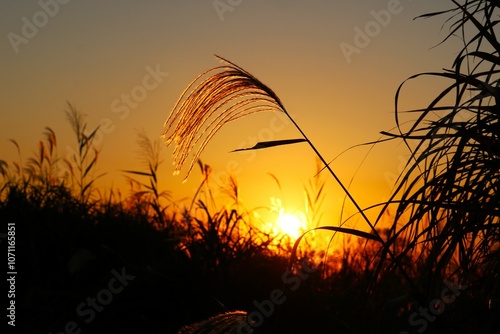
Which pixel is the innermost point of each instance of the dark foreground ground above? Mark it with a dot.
(113, 273)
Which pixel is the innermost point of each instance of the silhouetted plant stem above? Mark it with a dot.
(344, 189)
(226, 93)
(358, 208)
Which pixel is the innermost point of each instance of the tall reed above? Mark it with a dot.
(226, 93)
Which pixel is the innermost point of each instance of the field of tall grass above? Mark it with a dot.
(189, 260)
(100, 261)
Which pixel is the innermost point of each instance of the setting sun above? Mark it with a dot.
(290, 224)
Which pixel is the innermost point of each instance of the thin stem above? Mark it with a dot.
(327, 166)
(346, 191)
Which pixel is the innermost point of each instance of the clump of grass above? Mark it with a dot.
(189, 256)
(81, 164)
(151, 197)
(39, 175)
(220, 236)
(448, 212)
(46, 169)
(46, 177)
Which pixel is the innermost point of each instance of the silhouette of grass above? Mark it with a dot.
(448, 200)
(151, 198)
(194, 261)
(203, 259)
(185, 259)
(82, 163)
(446, 223)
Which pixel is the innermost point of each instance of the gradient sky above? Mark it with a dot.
(92, 53)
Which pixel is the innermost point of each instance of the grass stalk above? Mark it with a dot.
(227, 95)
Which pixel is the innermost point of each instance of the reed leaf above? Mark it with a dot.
(267, 144)
(136, 172)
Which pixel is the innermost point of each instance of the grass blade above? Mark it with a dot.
(271, 143)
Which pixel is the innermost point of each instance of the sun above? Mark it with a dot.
(291, 224)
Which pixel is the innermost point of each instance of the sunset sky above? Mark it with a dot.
(335, 65)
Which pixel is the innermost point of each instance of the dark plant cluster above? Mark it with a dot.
(185, 260)
(447, 199)
(147, 264)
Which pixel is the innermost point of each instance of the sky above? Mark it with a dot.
(336, 66)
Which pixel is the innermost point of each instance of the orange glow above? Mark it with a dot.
(286, 223)
(291, 224)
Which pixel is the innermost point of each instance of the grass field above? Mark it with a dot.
(95, 261)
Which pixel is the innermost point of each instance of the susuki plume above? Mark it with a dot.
(228, 323)
(228, 93)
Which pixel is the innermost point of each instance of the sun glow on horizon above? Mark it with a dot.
(291, 224)
(285, 222)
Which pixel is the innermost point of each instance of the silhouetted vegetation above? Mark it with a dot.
(434, 269)
(188, 261)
